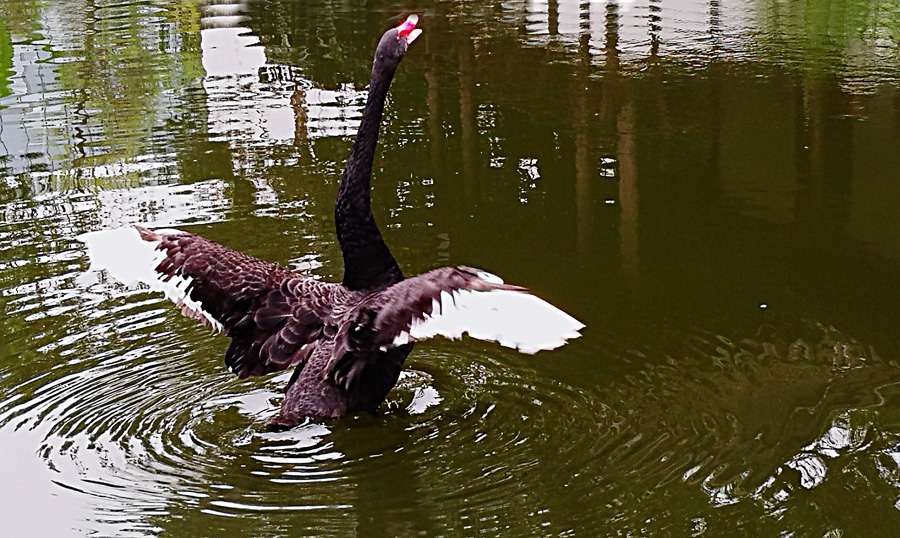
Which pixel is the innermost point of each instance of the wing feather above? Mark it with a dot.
(453, 301)
(269, 313)
(449, 302)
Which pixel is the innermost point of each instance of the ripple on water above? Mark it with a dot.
(147, 427)
(159, 427)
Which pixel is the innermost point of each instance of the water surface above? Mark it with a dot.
(710, 186)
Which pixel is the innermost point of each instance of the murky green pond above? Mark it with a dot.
(712, 187)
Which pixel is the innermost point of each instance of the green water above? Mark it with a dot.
(711, 187)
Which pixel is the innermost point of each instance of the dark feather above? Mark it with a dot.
(373, 324)
(268, 312)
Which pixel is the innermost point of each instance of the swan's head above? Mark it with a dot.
(394, 42)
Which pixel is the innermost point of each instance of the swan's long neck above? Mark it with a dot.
(368, 263)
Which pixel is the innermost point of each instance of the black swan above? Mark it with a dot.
(346, 341)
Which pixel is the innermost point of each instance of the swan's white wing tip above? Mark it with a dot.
(129, 259)
(514, 319)
(122, 253)
(489, 277)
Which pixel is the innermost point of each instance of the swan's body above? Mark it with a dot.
(347, 341)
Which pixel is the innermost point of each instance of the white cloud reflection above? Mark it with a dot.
(253, 100)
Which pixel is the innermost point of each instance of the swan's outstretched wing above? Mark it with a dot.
(450, 302)
(273, 316)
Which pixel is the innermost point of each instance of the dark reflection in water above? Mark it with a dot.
(711, 186)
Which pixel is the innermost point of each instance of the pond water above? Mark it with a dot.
(712, 187)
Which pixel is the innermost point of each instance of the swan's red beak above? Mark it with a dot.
(408, 28)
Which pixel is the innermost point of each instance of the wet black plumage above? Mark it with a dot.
(331, 333)
(340, 341)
